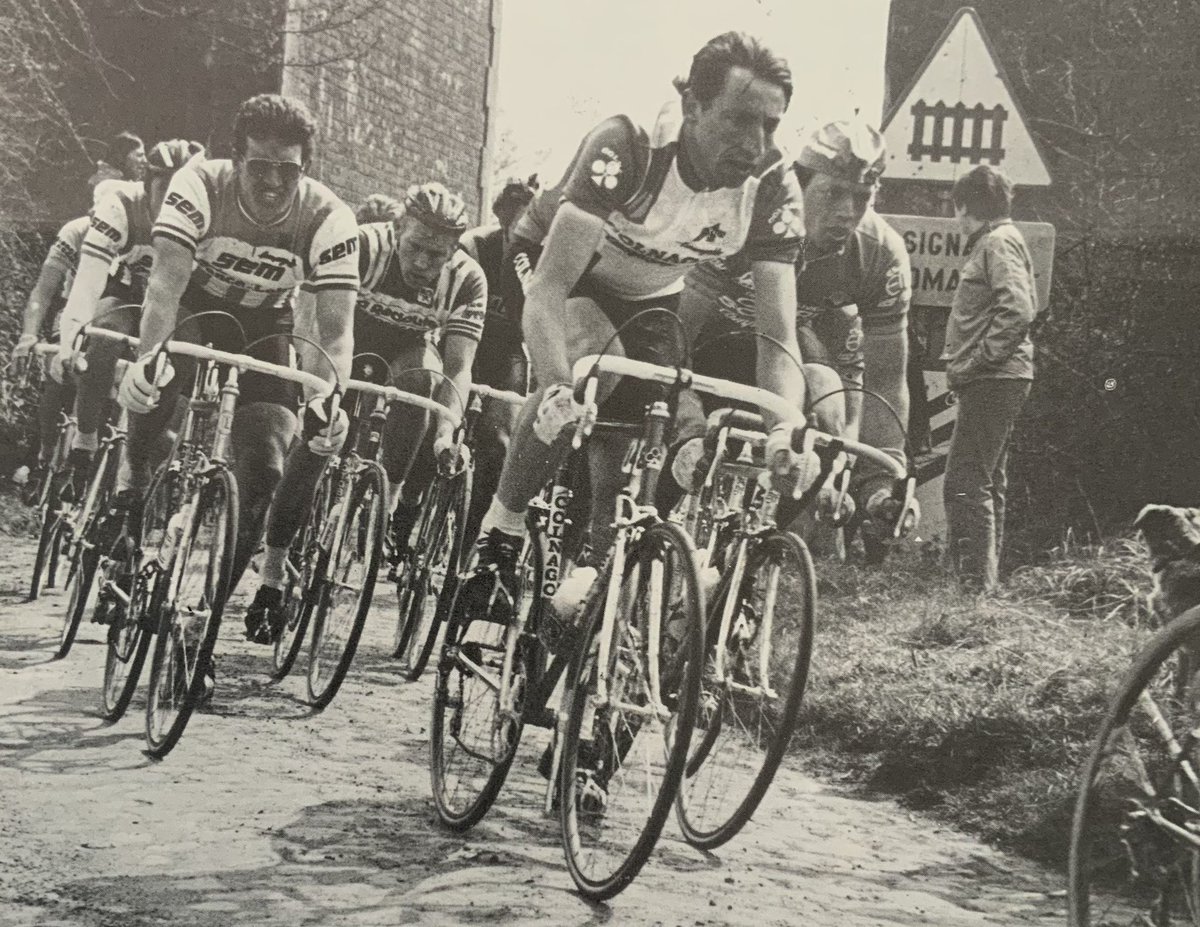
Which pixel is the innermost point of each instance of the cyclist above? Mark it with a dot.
(238, 236)
(378, 207)
(502, 365)
(114, 265)
(40, 321)
(416, 286)
(852, 291)
(634, 212)
(126, 160)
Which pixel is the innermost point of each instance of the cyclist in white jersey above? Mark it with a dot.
(239, 236)
(636, 210)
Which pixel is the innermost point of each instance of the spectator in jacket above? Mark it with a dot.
(989, 364)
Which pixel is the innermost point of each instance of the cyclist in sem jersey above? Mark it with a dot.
(635, 211)
(40, 320)
(114, 264)
(416, 288)
(239, 236)
(852, 291)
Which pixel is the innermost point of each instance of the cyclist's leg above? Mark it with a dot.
(95, 383)
(504, 370)
(407, 461)
(55, 399)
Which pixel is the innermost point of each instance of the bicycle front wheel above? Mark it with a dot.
(190, 615)
(85, 557)
(748, 707)
(623, 756)
(55, 515)
(300, 590)
(345, 594)
(431, 590)
(1135, 854)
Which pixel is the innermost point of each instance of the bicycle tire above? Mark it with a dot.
(299, 602)
(367, 493)
(50, 537)
(427, 611)
(681, 684)
(127, 642)
(755, 746)
(1165, 791)
(170, 646)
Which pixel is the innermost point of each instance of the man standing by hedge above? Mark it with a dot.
(989, 364)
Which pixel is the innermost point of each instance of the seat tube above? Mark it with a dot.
(225, 412)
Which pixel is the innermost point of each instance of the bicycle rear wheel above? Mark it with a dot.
(622, 759)
(190, 618)
(131, 623)
(55, 515)
(748, 713)
(431, 590)
(299, 593)
(1135, 854)
(345, 591)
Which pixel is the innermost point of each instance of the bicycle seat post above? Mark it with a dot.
(225, 412)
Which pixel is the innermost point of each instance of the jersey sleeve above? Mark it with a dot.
(64, 251)
(333, 258)
(373, 250)
(107, 235)
(888, 284)
(777, 224)
(468, 300)
(606, 172)
(186, 212)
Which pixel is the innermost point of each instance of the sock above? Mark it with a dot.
(508, 521)
(272, 572)
(86, 442)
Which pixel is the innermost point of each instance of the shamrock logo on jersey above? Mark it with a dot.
(606, 169)
(787, 221)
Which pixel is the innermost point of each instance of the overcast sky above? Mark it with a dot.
(567, 64)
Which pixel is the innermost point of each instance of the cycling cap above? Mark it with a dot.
(436, 207)
(379, 208)
(851, 151)
(516, 193)
(168, 157)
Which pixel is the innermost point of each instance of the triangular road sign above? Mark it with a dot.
(960, 112)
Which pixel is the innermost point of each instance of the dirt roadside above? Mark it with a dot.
(267, 814)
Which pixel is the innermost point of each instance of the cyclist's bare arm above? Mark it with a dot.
(168, 279)
(775, 309)
(333, 329)
(458, 356)
(886, 356)
(573, 239)
(49, 282)
(85, 296)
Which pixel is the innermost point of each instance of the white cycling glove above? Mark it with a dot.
(557, 410)
(136, 393)
(791, 473)
(323, 440)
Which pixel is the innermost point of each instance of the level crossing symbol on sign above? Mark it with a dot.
(960, 112)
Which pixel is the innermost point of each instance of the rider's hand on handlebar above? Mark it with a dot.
(137, 393)
(557, 410)
(24, 346)
(884, 509)
(450, 453)
(323, 439)
(791, 473)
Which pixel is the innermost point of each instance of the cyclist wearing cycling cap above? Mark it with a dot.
(502, 364)
(636, 209)
(379, 207)
(852, 293)
(418, 288)
(238, 236)
(115, 261)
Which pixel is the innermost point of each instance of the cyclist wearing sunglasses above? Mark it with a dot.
(239, 236)
(418, 289)
(635, 210)
(114, 265)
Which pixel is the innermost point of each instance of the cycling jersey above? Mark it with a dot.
(64, 251)
(657, 224)
(388, 306)
(501, 363)
(243, 264)
(866, 286)
(119, 234)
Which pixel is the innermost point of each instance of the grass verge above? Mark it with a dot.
(979, 711)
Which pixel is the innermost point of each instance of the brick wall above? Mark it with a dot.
(411, 104)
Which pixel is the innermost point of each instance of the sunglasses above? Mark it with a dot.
(261, 169)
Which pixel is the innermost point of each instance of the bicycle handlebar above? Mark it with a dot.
(500, 395)
(45, 348)
(398, 395)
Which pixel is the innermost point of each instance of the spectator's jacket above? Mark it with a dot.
(987, 337)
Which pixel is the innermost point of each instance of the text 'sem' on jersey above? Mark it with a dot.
(65, 249)
(656, 226)
(243, 264)
(120, 233)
